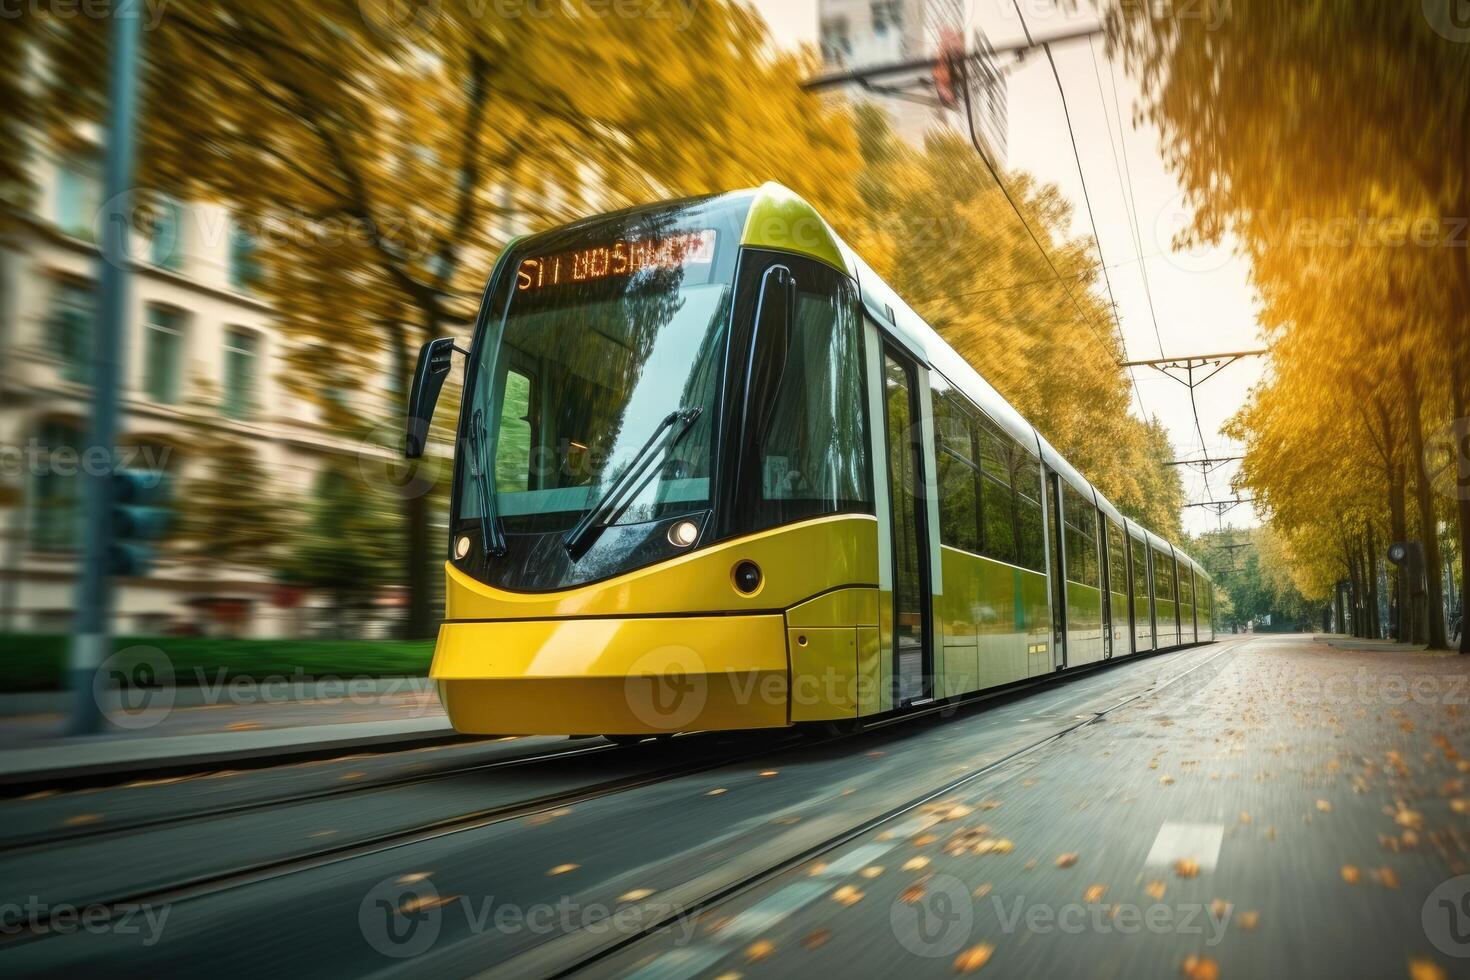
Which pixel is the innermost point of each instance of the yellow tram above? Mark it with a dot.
(712, 473)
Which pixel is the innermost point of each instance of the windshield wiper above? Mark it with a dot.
(616, 498)
(492, 539)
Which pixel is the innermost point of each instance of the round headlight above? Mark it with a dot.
(683, 534)
(748, 577)
(462, 546)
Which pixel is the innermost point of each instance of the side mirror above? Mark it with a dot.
(435, 359)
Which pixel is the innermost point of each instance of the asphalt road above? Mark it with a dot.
(1259, 807)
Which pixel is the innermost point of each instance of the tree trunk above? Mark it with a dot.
(1398, 530)
(1458, 388)
(1370, 558)
(1428, 525)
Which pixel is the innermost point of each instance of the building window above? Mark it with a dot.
(165, 245)
(887, 14)
(163, 345)
(241, 350)
(836, 39)
(69, 327)
(245, 271)
(56, 510)
(78, 195)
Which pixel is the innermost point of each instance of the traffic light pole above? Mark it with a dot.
(91, 640)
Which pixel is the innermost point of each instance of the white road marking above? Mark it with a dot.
(1196, 841)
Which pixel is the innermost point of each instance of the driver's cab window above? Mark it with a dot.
(814, 449)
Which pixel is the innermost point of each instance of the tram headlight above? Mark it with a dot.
(462, 546)
(747, 576)
(683, 534)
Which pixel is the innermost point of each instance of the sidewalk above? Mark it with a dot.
(176, 730)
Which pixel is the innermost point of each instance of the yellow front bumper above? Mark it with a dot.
(614, 676)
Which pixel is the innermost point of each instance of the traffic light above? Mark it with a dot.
(141, 515)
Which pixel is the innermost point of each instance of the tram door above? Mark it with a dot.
(913, 669)
(1056, 569)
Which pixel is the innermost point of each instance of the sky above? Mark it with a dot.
(1202, 301)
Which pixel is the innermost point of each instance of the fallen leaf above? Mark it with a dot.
(1166, 780)
(1245, 817)
(1220, 908)
(1412, 819)
(1200, 968)
(1155, 890)
(414, 877)
(636, 895)
(1249, 920)
(982, 891)
(973, 958)
(562, 869)
(759, 950)
(1186, 868)
(1421, 968)
(924, 840)
(1067, 860)
(1386, 877)
(770, 772)
(1324, 806)
(815, 940)
(915, 863)
(847, 895)
(1094, 894)
(1350, 874)
(715, 792)
(422, 903)
(82, 819)
(912, 894)
(817, 868)
(872, 871)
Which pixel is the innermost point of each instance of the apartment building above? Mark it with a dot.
(198, 333)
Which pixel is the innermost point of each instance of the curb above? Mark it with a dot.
(126, 767)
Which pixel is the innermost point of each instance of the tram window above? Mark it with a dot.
(1140, 568)
(1031, 544)
(1186, 587)
(814, 452)
(1117, 561)
(958, 525)
(1164, 583)
(513, 448)
(1080, 520)
(999, 505)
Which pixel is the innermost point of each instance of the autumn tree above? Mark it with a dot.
(388, 155)
(1332, 140)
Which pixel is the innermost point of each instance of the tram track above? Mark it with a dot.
(33, 842)
(547, 961)
(215, 882)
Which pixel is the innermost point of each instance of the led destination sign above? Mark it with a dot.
(620, 258)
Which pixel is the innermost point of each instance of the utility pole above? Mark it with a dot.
(91, 642)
